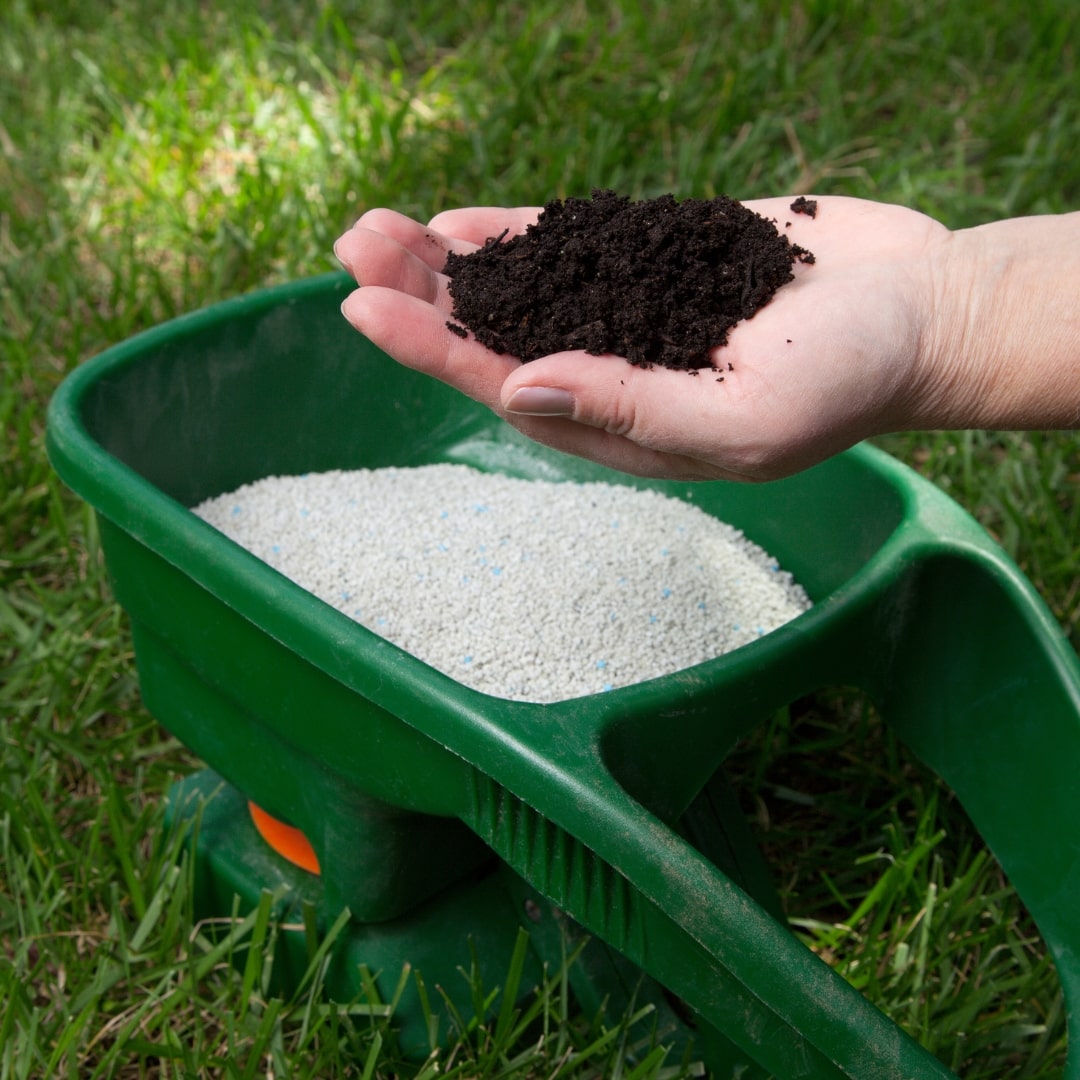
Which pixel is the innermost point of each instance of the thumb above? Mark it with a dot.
(578, 386)
(656, 421)
(657, 408)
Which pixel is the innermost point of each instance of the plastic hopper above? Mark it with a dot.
(440, 816)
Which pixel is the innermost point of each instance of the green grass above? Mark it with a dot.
(155, 159)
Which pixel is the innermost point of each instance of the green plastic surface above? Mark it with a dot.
(473, 923)
(404, 780)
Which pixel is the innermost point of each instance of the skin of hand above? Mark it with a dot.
(881, 333)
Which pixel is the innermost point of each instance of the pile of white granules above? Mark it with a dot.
(523, 589)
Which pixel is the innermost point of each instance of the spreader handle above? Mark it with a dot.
(970, 668)
(688, 925)
(983, 687)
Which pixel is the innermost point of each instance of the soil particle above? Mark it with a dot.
(803, 205)
(657, 281)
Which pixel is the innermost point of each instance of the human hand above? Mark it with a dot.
(838, 354)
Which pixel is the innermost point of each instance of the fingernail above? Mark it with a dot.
(541, 401)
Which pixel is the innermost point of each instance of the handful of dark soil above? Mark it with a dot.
(659, 281)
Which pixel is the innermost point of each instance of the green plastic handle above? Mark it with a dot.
(968, 665)
(994, 714)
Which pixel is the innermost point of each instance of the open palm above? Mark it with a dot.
(833, 358)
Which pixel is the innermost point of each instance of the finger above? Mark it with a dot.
(415, 334)
(427, 244)
(664, 410)
(654, 422)
(477, 224)
(715, 424)
(376, 259)
(614, 451)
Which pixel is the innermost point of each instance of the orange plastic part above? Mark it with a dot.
(289, 842)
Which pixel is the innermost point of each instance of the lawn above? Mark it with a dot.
(156, 159)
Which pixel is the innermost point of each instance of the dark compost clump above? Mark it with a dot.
(660, 282)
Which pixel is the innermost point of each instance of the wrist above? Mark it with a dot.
(1001, 343)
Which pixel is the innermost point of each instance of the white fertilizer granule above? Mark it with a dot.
(523, 589)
